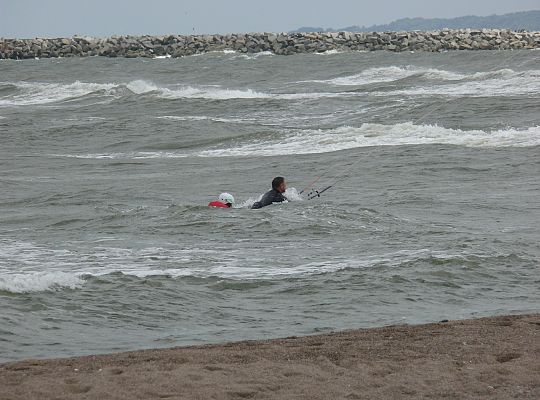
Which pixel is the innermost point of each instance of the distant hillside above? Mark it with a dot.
(527, 20)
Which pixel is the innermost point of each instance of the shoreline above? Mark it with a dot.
(490, 357)
(276, 43)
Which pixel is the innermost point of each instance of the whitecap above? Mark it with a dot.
(39, 281)
(254, 56)
(330, 52)
(315, 141)
(367, 135)
(211, 93)
(34, 93)
(187, 91)
(44, 93)
(206, 118)
(140, 86)
(483, 84)
(36, 268)
(215, 92)
(389, 74)
(501, 82)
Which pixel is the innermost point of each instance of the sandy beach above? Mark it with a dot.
(495, 358)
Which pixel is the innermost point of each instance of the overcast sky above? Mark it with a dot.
(55, 18)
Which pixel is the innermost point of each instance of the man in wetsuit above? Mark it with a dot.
(273, 196)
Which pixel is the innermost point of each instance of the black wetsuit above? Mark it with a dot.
(273, 196)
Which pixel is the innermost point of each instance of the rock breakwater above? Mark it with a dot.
(277, 43)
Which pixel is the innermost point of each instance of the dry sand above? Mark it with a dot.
(491, 358)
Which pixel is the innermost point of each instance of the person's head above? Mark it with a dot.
(279, 184)
(226, 198)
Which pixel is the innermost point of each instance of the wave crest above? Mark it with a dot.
(37, 93)
(489, 83)
(429, 81)
(368, 135)
(311, 141)
(225, 268)
(28, 93)
(39, 282)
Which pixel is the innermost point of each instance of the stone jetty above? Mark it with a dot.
(277, 43)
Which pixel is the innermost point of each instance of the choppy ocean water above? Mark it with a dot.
(106, 167)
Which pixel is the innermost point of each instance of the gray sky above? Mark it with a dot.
(56, 18)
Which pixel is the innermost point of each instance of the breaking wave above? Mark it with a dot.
(46, 93)
(314, 141)
(144, 263)
(72, 269)
(28, 93)
(39, 282)
(428, 81)
(497, 83)
(209, 92)
(389, 74)
(207, 118)
(367, 135)
(395, 73)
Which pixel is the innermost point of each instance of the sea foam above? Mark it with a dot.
(39, 281)
(120, 262)
(34, 93)
(431, 81)
(315, 141)
(310, 141)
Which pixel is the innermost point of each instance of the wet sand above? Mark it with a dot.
(491, 358)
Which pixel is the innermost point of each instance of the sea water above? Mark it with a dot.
(106, 167)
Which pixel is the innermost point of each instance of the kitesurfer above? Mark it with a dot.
(273, 196)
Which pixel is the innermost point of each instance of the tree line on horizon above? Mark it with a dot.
(525, 20)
